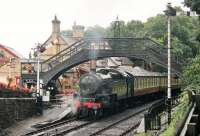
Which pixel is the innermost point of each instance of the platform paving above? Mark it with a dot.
(51, 114)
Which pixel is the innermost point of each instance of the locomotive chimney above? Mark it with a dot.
(93, 65)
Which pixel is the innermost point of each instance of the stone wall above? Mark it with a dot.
(15, 109)
(8, 93)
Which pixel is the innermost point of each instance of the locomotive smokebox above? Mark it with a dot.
(89, 83)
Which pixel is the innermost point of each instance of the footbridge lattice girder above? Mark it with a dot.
(84, 55)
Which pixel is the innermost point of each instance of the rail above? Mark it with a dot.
(49, 126)
(120, 121)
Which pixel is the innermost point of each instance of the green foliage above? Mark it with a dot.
(193, 5)
(142, 134)
(191, 74)
(178, 115)
(133, 29)
(156, 28)
(95, 32)
(183, 31)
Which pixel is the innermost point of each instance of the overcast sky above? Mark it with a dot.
(26, 22)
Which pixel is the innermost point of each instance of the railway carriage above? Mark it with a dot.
(111, 89)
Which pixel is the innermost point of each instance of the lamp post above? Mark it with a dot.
(116, 27)
(38, 70)
(169, 12)
(39, 49)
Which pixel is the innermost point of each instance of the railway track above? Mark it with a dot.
(75, 127)
(49, 126)
(60, 128)
(122, 126)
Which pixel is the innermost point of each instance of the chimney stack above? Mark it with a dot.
(55, 25)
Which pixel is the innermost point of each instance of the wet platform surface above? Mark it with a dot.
(56, 112)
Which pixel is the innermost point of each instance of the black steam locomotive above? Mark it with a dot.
(111, 89)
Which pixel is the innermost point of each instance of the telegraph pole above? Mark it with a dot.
(169, 68)
(169, 12)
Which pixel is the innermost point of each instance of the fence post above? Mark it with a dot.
(146, 122)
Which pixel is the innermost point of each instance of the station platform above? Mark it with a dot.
(57, 112)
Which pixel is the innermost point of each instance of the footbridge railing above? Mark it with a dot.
(61, 56)
(144, 44)
(96, 48)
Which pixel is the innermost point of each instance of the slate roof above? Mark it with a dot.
(11, 51)
(138, 71)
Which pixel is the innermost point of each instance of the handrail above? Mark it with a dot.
(156, 44)
(67, 52)
(155, 53)
(61, 51)
(156, 105)
(108, 39)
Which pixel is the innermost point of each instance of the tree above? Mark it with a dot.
(193, 5)
(111, 30)
(191, 74)
(183, 31)
(133, 28)
(155, 28)
(95, 32)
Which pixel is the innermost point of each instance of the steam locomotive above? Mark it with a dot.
(111, 89)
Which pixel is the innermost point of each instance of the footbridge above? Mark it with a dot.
(98, 48)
